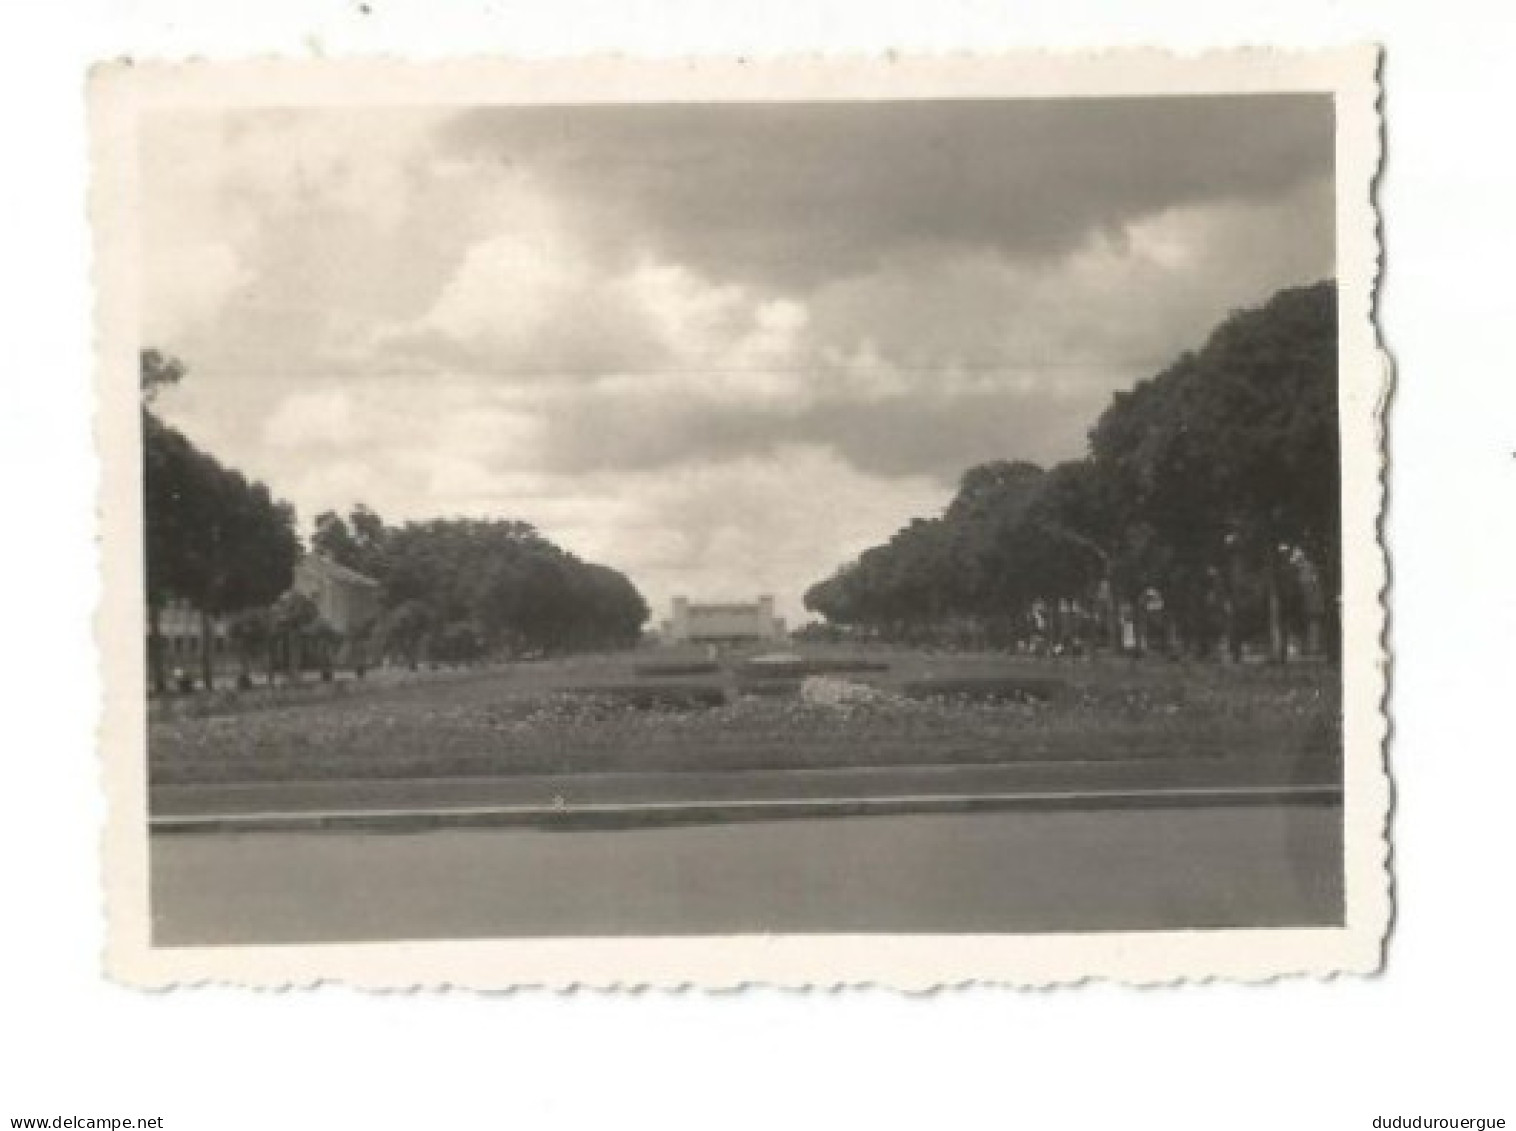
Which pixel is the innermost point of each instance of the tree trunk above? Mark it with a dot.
(244, 647)
(1277, 645)
(207, 657)
(1112, 617)
(155, 645)
(1233, 590)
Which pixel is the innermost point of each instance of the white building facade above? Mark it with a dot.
(723, 623)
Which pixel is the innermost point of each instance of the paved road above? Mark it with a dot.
(1195, 867)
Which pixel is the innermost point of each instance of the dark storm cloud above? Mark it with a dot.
(787, 195)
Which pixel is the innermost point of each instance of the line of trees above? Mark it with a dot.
(1205, 513)
(450, 590)
(459, 589)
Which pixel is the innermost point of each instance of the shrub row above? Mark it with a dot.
(801, 667)
(988, 689)
(643, 697)
(678, 667)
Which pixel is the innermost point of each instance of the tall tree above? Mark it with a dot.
(211, 536)
(1215, 483)
(1229, 459)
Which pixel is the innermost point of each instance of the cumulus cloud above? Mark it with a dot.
(732, 527)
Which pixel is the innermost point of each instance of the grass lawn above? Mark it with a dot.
(616, 713)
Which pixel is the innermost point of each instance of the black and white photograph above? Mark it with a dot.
(895, 512)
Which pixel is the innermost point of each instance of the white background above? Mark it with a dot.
(1430, 1036)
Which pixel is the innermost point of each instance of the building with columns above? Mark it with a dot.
(723, 623)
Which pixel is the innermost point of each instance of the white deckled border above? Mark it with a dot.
(120, 92)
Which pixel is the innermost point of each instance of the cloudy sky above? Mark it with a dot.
(722, 348)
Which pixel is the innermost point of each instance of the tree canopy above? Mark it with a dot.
(1203, 478)
(213, 536)
(462, 587)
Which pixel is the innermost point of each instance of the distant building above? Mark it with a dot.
(345, 598)
(727, 623)
(180, 632)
